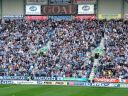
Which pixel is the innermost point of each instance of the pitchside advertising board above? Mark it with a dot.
(115, 85)
(33, 9)
(86, 9)
(64, 83)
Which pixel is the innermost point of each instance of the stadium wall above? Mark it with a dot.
(0, 9)
(12, 7)
(126, 9)
(110, 9)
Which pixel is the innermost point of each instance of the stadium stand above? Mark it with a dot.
(63, 48)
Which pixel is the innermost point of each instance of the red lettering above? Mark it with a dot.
(106, 80)
(55, 10)
(51, 10)
(64, 10)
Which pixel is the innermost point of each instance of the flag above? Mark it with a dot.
(45, 49)
(99, 50)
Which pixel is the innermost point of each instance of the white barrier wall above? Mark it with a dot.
(12, 7)
(110, 9)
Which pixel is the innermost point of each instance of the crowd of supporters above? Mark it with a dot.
(70, 48)
(114, 63)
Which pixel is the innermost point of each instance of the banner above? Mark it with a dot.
(115, 85)
(106, 80)
(85, 9)
(6, 82)
(109, 16)
(59, 10)
(40, 79)
(33, 10)
(87, 17)
(40, 2)
(59, 18)
(70, 83)
(126, 81)
(79, 83)
(99, 50)
(44, 50)
(54, 83)
(45, 78)
(36, 17)
(25, 82)
(60, 2)
(13, 17)
(85, 1)
(75, 79)
(12, 78)
(123, 85)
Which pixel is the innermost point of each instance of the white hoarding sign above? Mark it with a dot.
(85, 9)
(33, 10)
(24, 82)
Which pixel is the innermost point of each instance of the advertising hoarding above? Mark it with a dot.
(24, 82)
(36, 17)
(59, 10)
(85, 9)
(109, 16)
(54, 2)
(59, 18)
(40, 2)
(33, 10)
(85, 1)
(13, 17)
(54, 83)
(86, 17)
(6, 82)
(74, 79)
(106, 80)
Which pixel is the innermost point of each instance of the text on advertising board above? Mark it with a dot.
(90, 17)
(36, 17)
(58, 18)
(58, 9)
(40, 2)
(54, 83)
(109, 16)
(85, 1)
(85, 9)
(106, 80)
(59, 1)
(33, 10)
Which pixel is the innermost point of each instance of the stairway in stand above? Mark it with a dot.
(96, 62)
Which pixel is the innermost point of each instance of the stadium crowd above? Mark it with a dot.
(70, 48)
(114, 64)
